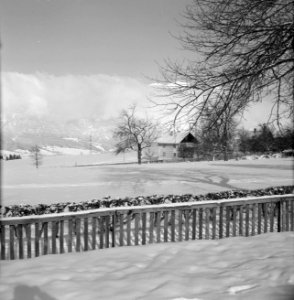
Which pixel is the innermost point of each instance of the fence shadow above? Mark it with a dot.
(25, 292)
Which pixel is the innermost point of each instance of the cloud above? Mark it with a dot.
(70, 96)
(22, 94)
(98, 96)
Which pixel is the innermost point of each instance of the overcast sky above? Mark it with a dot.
(78, 57)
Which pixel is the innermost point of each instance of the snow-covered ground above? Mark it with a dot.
(255, 268)
(58, 180)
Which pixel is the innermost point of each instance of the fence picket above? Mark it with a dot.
(180, 224)
(228, 219)
(94, 224)
(129, 219)
(3, 248)
(214, 223)
(78, 234)
(101, 232)
(221, 211)
(137, 219)
(53, 237)
(121, 230)
(158, 226)
(165, 233)
(113, 232)
(61, 237)
(259, 211)
(107, 221)
(207, 216)
(187, 216)
(265, 212)
(46, 240)
(173, 225)
(29, 240)
(272, 213)
(241, 207)
(287, 215)
(20, 241)
(234, 220)
(253, 219)
(37, 243)
(143, 228)
(194, 214)
(247, 220)
(11, 241)
(200, 223)
(151, 227)
(283, 209)
(86, 234)
(70, 232)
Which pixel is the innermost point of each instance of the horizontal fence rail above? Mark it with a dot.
(32, 236)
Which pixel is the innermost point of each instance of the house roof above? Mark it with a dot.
(174, 139)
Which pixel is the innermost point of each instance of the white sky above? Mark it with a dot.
(87, 58)
(87, 37)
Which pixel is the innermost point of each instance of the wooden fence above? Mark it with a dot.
(32, 236)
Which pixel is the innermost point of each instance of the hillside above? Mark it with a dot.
(21, 133)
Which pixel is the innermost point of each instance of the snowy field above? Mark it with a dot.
(77, 178)
(255, 268)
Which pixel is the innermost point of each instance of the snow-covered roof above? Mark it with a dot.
(173, 139)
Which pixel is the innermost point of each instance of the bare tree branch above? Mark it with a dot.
(243, 49)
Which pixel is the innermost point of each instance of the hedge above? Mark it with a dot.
(40, 209)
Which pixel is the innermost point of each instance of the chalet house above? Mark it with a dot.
(171, 147)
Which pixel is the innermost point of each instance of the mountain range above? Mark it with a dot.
(21, 133)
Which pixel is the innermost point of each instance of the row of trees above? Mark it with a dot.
(10, 156)
(265, 140)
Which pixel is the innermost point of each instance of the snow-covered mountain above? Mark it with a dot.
(21, 132)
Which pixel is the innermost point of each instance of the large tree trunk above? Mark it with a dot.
(139, 152)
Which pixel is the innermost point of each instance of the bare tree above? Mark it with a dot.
(242, 51)
(134, 133)
(36, 156)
